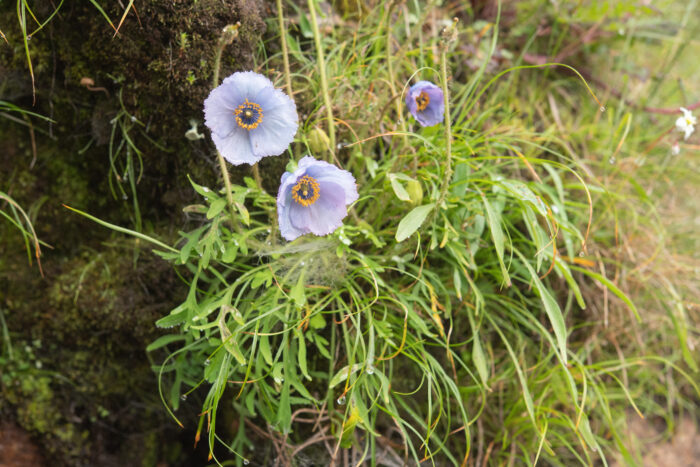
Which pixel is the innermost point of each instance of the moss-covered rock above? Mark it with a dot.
(75, 373)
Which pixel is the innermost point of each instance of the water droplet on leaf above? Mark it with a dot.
(341, 400)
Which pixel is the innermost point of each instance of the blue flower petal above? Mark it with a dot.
(249, 83)
(324, 172)
(286, 183)
(236, 147)
(284, 201)
(328, 212)
(337, 189)
(300, 217)
(246, 141)
(279, 123)
(434, 111)
(219, 108)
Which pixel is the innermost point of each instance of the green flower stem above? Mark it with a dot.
(448, 126)
(285, 50)
(271, 214)
(322, 72)
(229, 193)
(228, 35)
(392, 80)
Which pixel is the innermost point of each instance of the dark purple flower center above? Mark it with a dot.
(306, 191)
(248, 115)
(422, 101)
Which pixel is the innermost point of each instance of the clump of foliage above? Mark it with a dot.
(457, 315)
(455, 282)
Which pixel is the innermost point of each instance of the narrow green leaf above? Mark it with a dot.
(265, 349)
(216, 207)
(551, 307)
(413, 221)
(480, 360)
(301, 354)
(344, 373)
(399, 190)
(162, 341)
(521, 375)
(230, 343)
(493, 218)
(297, 293)
(612, 287)
(172, 320)
(566, 272)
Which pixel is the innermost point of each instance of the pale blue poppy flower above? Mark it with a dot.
(426, 102)
(314, 198)
(250, 119)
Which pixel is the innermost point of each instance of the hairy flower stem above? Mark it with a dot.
(392, 80)
(228, 34)
(229, 193)
(322, 72)
(285, 50)
(448, 126)
(271, 214)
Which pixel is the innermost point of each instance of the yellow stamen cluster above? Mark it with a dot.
(245, 112)
(422, 101)
(306, 191)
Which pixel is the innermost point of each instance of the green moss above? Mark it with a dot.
(93, 312)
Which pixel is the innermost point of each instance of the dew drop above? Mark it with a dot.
(133, 119)
(246, 462)
(341, 400)
(183, 397)
(602, 108)
(125, 197)
(370, 370)
(205, 189)
(611, 160)
(207, 362)
(582, 254)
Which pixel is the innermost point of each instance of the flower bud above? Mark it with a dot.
(318, 141)
(415, 191)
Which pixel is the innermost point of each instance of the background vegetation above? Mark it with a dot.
(476, 335)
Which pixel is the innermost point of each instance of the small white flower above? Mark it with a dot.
(675, 149)
(686, 123)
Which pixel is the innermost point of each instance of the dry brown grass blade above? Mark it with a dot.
(121, 21)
